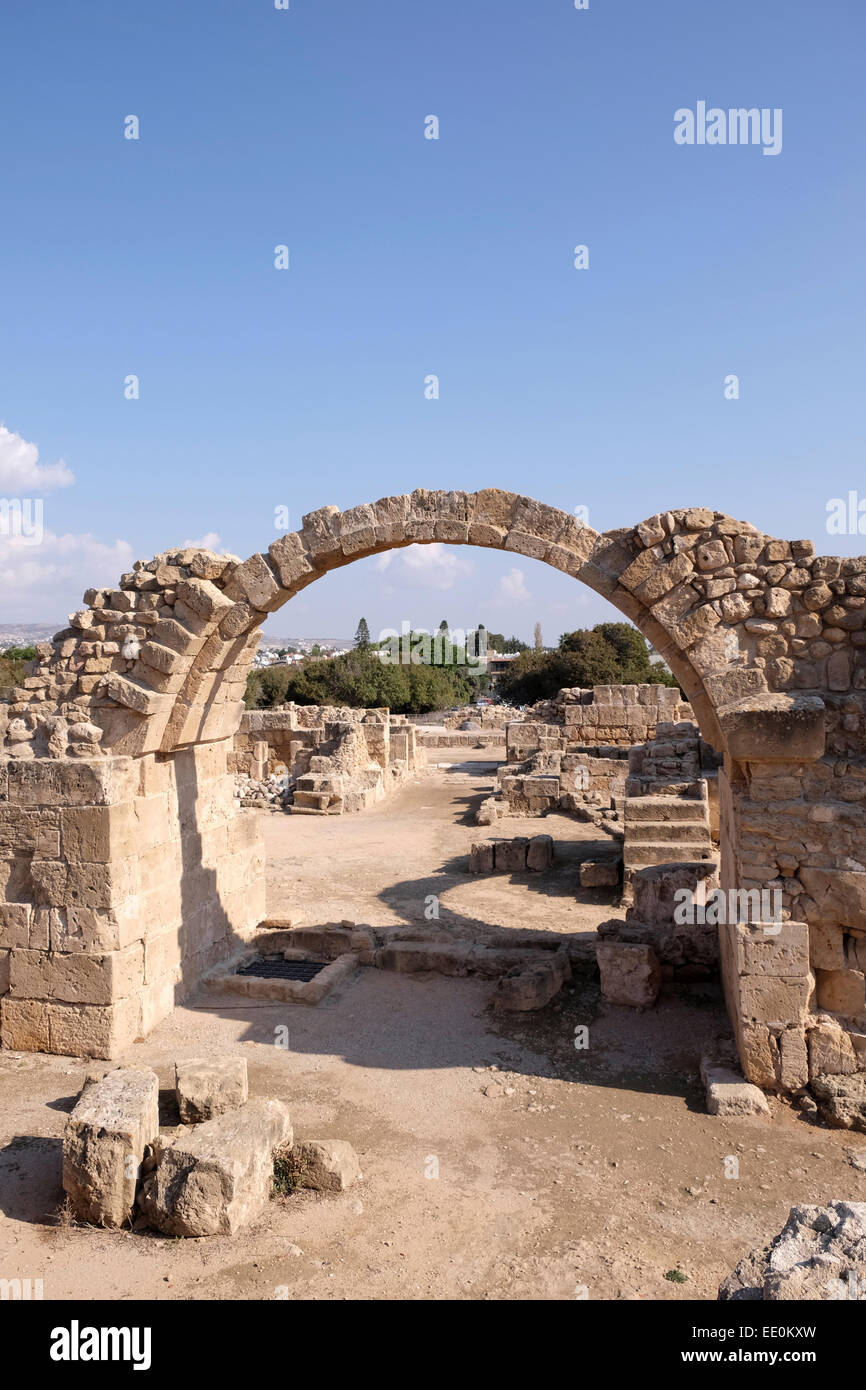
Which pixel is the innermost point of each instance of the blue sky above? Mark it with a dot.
(262, 388)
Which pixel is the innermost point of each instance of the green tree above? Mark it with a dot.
(362, 634)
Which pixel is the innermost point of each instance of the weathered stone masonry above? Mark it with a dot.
(125, 871)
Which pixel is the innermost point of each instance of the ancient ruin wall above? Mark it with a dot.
(343, 759)
(766, 640)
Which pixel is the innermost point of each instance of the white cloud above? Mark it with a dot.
(512, 587)
(43, 574)
(42, 583)
(434, 566)
(211, 540)
(21, 473)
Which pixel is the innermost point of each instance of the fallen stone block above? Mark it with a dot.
(328, 1165)
(599, 873)
(728, 1093)
(207, 1088)
(841, 1100)
(104, 1142)
(630, 974)
(216, 1177)
(820, 1254)
(539, 855)
(533, 986)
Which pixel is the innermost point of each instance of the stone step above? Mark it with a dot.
(675, 830)
(643, 855)
(662, 808)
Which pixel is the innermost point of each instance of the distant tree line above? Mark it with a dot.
(607, 654)
(420, 672)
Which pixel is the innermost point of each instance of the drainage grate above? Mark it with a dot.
(274, 968)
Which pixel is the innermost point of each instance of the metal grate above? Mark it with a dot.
(274, 968)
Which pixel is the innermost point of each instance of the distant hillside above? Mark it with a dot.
(25, 634)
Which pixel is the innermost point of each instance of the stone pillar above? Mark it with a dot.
(122, 881)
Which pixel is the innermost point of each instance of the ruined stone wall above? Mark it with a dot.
(343, 759)
(123, 880)
(618, 715)
(293, 733)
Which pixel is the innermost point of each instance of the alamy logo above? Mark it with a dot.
(21, 519)
(737, 126)
(754, 906)
(77, 1343)
(18, 1289)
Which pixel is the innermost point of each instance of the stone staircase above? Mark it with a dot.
(666, 814)
(667, 827)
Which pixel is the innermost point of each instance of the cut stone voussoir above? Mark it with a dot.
(104, 1140)
(206, 1087)
(214, 1178)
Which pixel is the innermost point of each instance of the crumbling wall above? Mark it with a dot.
(615, 715)
(343, 759)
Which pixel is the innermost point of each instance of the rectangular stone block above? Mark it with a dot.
(216, 1177)
(104, 1140)
(481, 857)
(773, 1000)
(76, 978)
(841, 992)
(207, 1087)
(773, 948)
(509, 856)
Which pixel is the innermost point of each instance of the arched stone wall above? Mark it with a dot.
(126, 872)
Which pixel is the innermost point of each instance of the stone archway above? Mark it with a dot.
(127, 874)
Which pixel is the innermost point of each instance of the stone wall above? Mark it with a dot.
(616, 715)
(343, 759)
(121, 881)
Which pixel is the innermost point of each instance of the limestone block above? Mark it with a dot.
(841, 991)
(481, 857)
(104, 1141)
(728, 1093)
(539, 855)
(842, 1100)
(600, 873)
(510, 855)
(207, 1087)
(328, 1165)
(793, 1059)
(772, 949)
(831, 1051)
(775, 1000)
(630, 973)
(826, 947)
(839, 896)
(817, 1256)
(531, 986)
(77, 978)
(446, 958)
(215, 1177)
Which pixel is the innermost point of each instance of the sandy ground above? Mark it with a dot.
(499, 1161)
(381, 867)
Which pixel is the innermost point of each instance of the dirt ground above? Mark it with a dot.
(499, 1161)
